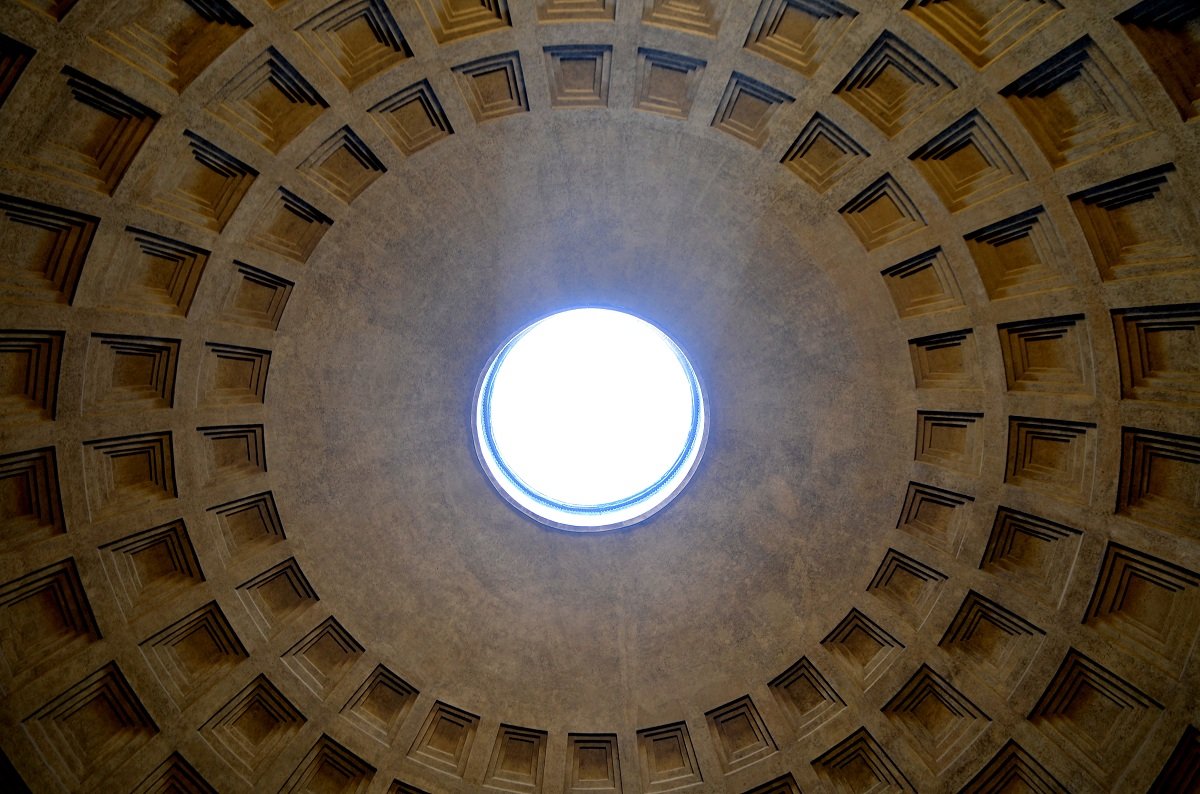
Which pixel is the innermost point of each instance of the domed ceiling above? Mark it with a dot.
(934, 261)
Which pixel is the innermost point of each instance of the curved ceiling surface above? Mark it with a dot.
(935, 262)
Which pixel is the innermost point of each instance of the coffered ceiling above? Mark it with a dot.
(935, 263)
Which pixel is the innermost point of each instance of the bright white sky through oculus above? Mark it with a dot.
(590, 407)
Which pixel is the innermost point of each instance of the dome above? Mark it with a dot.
(935, 263)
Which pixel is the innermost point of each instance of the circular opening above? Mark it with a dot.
(589, 419)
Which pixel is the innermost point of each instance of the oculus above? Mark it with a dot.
(589, 419)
